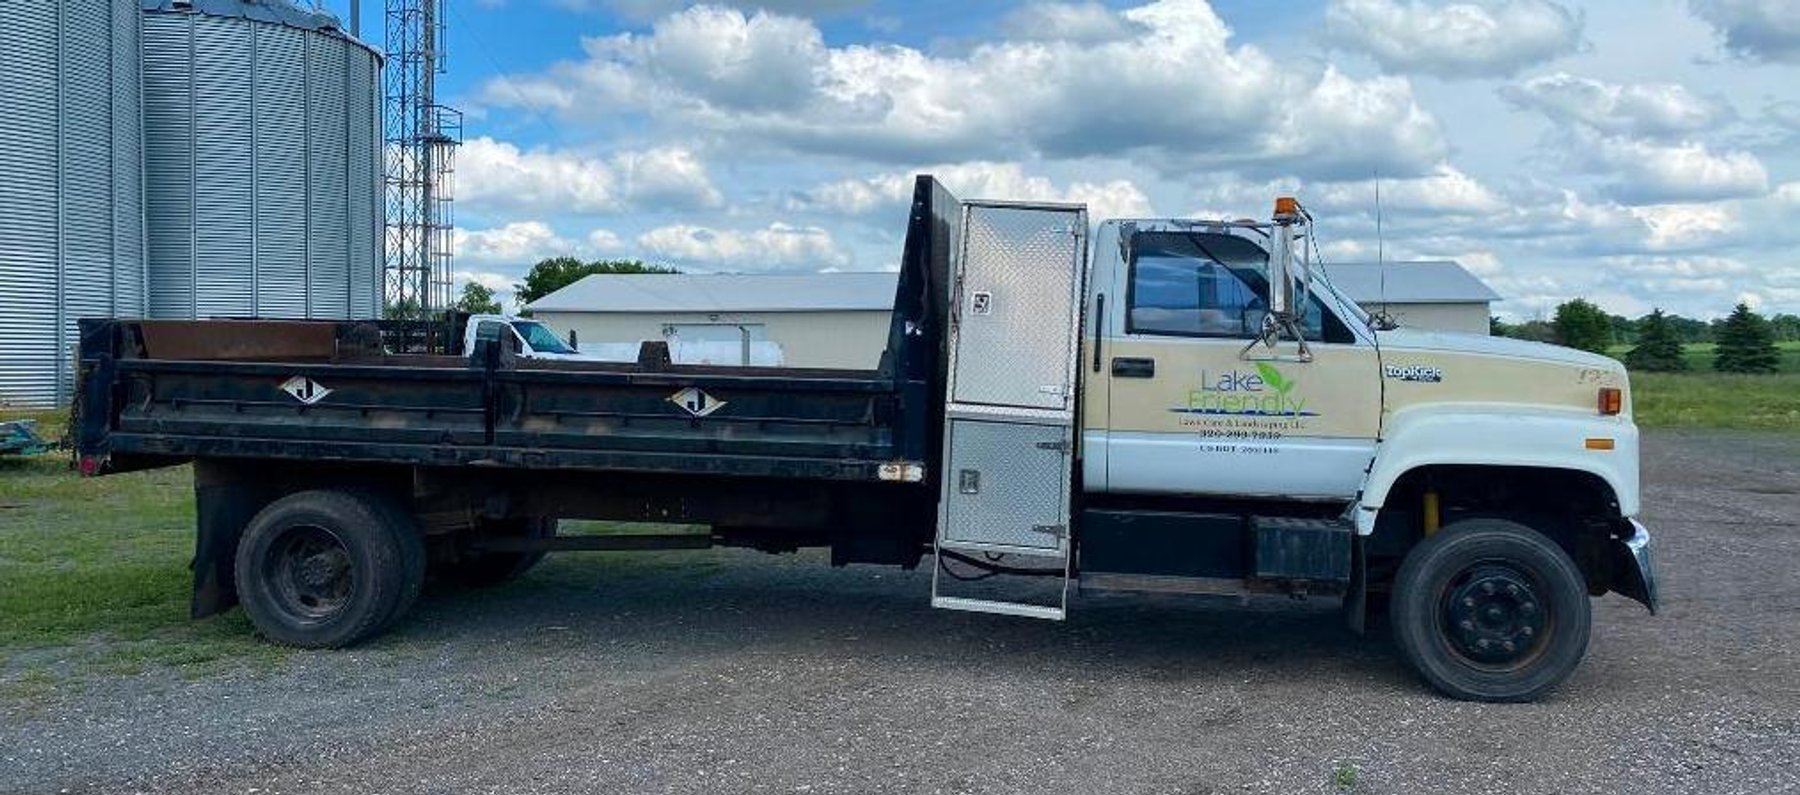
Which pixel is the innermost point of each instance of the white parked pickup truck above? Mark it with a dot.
(537, 341)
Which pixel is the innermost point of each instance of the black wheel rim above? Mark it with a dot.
(311, 573)
(1495, 616)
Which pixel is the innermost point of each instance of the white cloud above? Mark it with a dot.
(1449, 191)
(1766, 30)
(1117, 198)
(1639, 109)
(603, 241)
(666, 177)
(517, 244)
(778, 246)
(1685, 226)
(1174, 94)
(641, 10)
(1491, 38)
(1650, 173)
(495, 174)
(1088, 22)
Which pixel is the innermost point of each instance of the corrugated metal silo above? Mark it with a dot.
(263, 174)
(71, 220)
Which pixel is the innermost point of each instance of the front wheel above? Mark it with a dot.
(1491, 610)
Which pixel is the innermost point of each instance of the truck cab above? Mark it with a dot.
(1238, 425)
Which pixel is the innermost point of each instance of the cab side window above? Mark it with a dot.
(1204, 284)
(1190, 297)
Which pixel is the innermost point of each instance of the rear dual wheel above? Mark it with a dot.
(1491, 610)
(327, 568)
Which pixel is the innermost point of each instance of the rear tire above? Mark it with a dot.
(326, 569)
(475, 569)
(1491, 610)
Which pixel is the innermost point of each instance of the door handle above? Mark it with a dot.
(1133, 367)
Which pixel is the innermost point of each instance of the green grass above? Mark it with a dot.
(1699, 356)
(96, 580)
(94, 577)
(1701, 398)
(1717, 400)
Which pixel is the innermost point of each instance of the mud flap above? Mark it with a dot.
(1633, 567)
(225, 500)
(1356, 596)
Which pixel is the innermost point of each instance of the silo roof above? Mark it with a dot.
(277, 12)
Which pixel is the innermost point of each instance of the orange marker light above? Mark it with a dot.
(1612, 400)
(1600, 443)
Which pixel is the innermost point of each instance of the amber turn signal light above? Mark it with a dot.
(1612, 400)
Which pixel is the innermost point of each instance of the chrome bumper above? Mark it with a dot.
(1634, 570)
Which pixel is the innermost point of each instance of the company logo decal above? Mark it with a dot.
(1413, 372)
(696, 402)
(1267, 392)
(305, 389)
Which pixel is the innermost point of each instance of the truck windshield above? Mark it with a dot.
(540, 337)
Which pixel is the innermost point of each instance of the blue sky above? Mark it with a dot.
(1642, 154)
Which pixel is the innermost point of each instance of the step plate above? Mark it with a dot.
(1045, 612)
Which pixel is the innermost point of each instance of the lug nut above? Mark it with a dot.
(1509, 647)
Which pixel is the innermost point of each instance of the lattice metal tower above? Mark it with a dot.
(421, 141)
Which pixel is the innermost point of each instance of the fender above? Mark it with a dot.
(1501, 435)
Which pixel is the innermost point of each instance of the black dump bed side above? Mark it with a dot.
(158, 392)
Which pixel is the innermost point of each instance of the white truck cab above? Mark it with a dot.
(535, 339)
(1239, 425)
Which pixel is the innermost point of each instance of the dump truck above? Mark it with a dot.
(1167, 406)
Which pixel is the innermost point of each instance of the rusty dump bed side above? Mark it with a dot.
(160, 392)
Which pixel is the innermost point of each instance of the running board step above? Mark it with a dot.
(1046, 612)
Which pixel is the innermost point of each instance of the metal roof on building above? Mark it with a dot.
(723, 292)
(1423, 282)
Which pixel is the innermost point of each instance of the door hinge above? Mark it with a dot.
(1061, 446)
(1057, 530)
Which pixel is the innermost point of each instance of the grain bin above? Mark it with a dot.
(71, 220)
(262, 162)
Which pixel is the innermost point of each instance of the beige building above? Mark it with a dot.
(841, 319)
(817, 319)
(1440, 295)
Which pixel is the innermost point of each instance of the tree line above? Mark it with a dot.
(546, 277)
(1745, 341)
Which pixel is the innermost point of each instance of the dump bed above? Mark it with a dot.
(154, 392)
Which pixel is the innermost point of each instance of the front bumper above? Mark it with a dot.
(1633, 567)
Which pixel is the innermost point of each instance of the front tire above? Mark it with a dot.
(326, 569)
(1491, 610)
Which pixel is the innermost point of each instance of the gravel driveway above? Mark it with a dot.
(731, 671)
